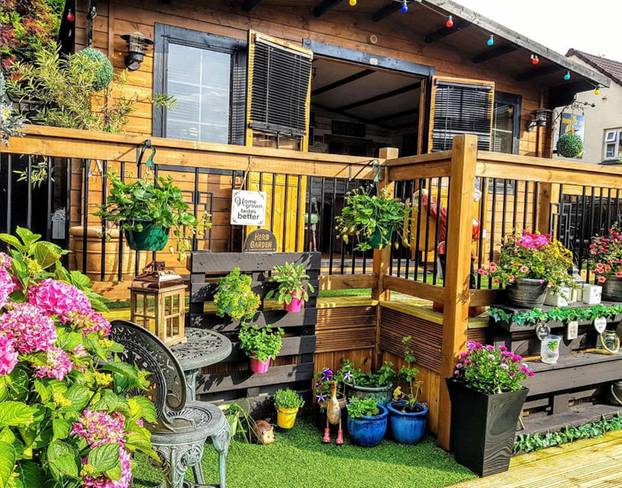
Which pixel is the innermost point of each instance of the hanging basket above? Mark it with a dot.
(153, 237)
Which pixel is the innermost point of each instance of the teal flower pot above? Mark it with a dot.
(379, 240)
(152, 237)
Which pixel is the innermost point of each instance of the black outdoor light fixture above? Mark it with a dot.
(137, 45)
(541, 118)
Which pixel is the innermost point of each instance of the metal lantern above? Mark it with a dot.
(137, 45)
(158, 303)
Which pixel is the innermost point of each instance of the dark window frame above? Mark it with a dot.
(516, 101)
(167, 34)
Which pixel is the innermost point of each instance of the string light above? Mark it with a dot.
(567, 76)
(597, 91)
(352, 3)
(404, 7)
(449, 23)
(535, 60)
(491, 41)
(70, 16)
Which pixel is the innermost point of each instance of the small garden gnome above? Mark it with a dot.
(333, 416)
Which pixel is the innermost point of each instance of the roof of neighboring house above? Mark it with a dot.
(608, 67)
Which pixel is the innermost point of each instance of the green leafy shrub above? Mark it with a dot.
(384, 376)
(261, 343)
(11, 121)
(65, 417)
(292, 280)
(241, 423)
(365, 407)
(407, 375)
(102, 68)
(235, 297)
(287, 398)
(570, 146)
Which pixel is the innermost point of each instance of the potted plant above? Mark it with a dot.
(235, 297)
(367, 421)
(362, 384)
(293, 286)
(407, 417)
(287, 402)
(606, 262)
(261, 344)
(370, 219)
(528, 265)
(147, 211)
(487, 397)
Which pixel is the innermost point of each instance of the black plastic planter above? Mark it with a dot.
(483, 427)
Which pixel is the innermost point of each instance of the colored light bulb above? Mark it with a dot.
(491, 40)
(449, 23)
(597, 91)
(352, 3)
(404, 8)
(70, 16)
(567, 76)
(535, 60)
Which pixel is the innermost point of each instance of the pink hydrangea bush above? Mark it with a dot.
(68, 419)
(606, 256)
(490, 369)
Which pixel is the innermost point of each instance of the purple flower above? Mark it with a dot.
(327, 374)
(320, 397)
(347, 376)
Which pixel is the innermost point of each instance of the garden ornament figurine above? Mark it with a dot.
(333, 416)
(264, 432)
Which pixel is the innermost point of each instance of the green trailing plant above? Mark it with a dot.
(242, 425)
(570, 146)
(384, 376)
(288, 398)
(134, 204)
(363, 407)
(366, 217)
(560, 314)
(525, 443)
(261, 343)
(235, 297)
(407, 375)
(292, 280)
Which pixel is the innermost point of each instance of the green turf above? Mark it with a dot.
(298, 459)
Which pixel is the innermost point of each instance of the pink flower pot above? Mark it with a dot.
(295, 305)
(260, 367)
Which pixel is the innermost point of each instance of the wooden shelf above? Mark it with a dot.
(578, 415)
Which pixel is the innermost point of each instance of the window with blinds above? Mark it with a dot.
(461, 107)
(280, 86)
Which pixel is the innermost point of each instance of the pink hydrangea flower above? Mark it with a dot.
(100, 428)
(104, 482)
(5, 260)
(90, 322)
(8, 355)
(58, 365)
(59, 298)
(7, 285)
(29, 328)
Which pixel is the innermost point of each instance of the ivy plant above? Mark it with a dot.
(235, 297)
(261, 343)
(292, 280)
(363, 407)
(559, 314)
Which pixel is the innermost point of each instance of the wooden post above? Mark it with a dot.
(383, 256)
(459, 238)
(548, 195)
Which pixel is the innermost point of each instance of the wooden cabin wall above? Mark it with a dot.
(346, 29)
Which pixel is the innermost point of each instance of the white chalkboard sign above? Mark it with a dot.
(248, 207)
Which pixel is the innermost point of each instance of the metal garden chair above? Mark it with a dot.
(183, 427)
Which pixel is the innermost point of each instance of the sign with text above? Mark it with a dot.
(248, 207)
(260, 240)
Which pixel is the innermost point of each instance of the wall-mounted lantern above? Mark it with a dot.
(137, 46)
(541, 118)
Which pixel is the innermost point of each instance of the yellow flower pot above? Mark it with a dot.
(286, 417)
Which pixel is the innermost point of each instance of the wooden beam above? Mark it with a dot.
(496, 52)
(346, 282)
(443, 32)
(384, 12)
(538, 73)
(382, 96)
(343, 81)
(414, 288)
(324, 6)
(249, 5)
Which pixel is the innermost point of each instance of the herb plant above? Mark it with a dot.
(365, 216)
(408, 375)
(384, 376)
(491, 370)
(235, 297)
(292, 280)
(261, 343)
(606, 256)
(287, 398)
(359, 408)
(535, 256)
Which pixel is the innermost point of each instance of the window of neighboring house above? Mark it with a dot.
(206, 75)
(506, 123)
(613, 144)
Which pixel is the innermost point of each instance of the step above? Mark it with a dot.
(577, 415)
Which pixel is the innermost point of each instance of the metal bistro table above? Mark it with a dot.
(203, 348)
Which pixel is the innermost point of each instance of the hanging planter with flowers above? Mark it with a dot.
(606, 262)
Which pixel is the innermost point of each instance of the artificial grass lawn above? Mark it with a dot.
(298, 459)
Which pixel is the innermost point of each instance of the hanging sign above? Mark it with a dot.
(248, 207)
(572, 332)
(260, 240)
(600, 324)
(542, 330)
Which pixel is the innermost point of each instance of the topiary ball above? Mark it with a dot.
(570, 146)
(104, 74)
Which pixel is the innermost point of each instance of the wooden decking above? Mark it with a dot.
(592, 463)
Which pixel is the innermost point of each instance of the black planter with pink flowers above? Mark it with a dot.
(612, 290)
(527, 293)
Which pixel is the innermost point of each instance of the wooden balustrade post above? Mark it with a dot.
(382, 257)
(457, 280)
(548, 195)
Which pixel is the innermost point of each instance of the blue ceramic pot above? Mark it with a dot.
(370, 430)
(407, 427)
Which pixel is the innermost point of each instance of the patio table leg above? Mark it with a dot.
(191, 384)
(176, 459)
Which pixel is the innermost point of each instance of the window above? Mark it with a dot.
(506, 123)
(613, 144)
(206, 75)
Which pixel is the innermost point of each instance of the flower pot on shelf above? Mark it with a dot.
(527, 292)
(152, 237)
(382, 394)
(94, 250)
(483, 427)
(560, 298)
(368, 431)
(259, 367)
(286, 417)
(407, 427)
(296, 305)
(612, 290)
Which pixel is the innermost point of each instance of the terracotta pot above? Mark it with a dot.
(259, 367)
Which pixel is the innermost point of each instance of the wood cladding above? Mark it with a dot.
(345, 328)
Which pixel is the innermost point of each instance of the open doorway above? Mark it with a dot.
(357, 109)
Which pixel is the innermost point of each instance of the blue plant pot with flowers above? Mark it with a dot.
(369, 430)
(407, 427)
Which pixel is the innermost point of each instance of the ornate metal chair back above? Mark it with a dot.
(148, 352)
